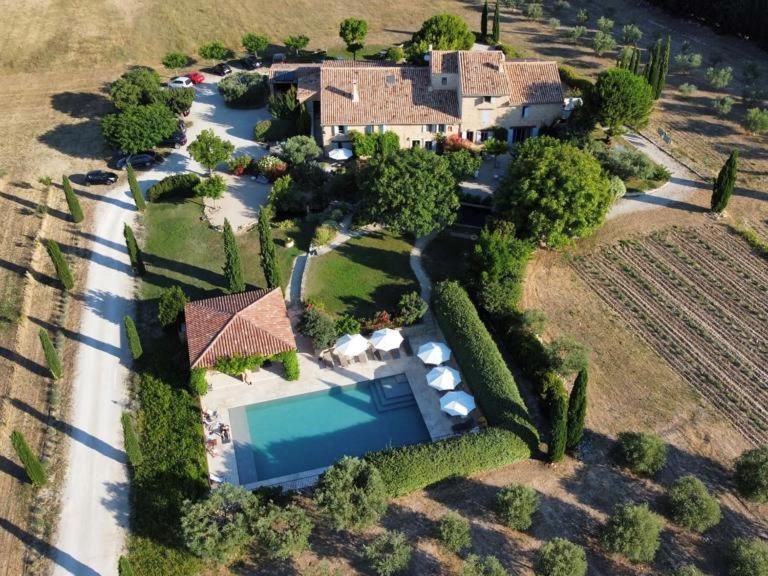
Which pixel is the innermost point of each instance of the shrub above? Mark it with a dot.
(576, 32)
(687, 570)
(752, 474)
(134, 253)
(756, 120)
(134, 342)
(347, 324)
(582, 16)
(566, 356)
(198, 384)
(272, 167)
(366, 145)
(175, 60)
(72, 202)
(463, 164)
(484, 368)
(215, 50)
(237, 364)
(411, 308)
(688, 60)
(319, 327)
(631, 34)
(559, 557)
(643, 453)
(351, 494)
(63, 273)
(261, 130)
(131, 440)
(388, 553)
(30, 461)
(515, 505)
(290, 362)
(719, 78)
(171, 306)
(559, 419)
(325, 233)
(394, 54)
(723, 105)
(51, 355)
(300, 149)
(240, 164)
(175, 186)
(244, 90)
(510, 52)
(534, 11)
(124, 567)
(282, 532)
(691, 505)
(749, 557)
(617, 187)
(284, 105)
(410, 468)
(633, 531)
(687, 89)
(483, 566)
(133, 184)
(561, 5)
(553, 23)
(454, 533)
(573, 79)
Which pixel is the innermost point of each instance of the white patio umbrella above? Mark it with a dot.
(386, 339)
(340, 154)
(443, 378)
(457, 403)
(434, 353)
(351, 345)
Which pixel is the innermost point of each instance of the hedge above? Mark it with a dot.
(131, 440)
(63, 273)
(483, 367)
(410, 468)
(290, 362)
(51, 355)
(573, 79)
(32, 465)
(174, 186)
(132, 335)
(72, 202)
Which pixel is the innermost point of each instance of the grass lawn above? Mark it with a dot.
(447, 257)
(180, 248)
(362, 276)
(367, 52)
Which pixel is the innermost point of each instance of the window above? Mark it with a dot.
(369, 129)
(441, 128)
(339, 130)
(382, 128)
(444, 80)
(525, 111)
(416, 144)
(429, 145)
(428, 128)
(487, 99)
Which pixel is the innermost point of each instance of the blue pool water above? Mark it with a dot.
(301, 433)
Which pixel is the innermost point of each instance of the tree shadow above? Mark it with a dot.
(81, 104)
(35, 206)
(81, 140)
(12, 469)
(78, 337)
(26, 363)
(37, 276)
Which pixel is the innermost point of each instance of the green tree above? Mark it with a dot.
(215, 50)
(663, 69)
(411, 308)
(353, 32)
(30, 461)
(454, 533)
(132, 334)
(300, 149)
(582, 16)
(445, 32)
(631, 34)
(319, 327)
(559, 557)
(131, 439)
(534, 10)
(644, 453)
(719, 78)
(254, 43)
(463, 164)
(495, 148)
(178, 100)
(605, 24)
(296, 43)
(124, 567)
(134, 252)
(756, 120)
(687, 570)
(559, 417)
(621, 97)
(137, 87)
(72, 202)
(566, 355)
(133, 184)
(388, 554)
(51, 355)
(210, 150)
(351, 494)
(725, 183)
(139, 128)
(171, 306)
(496, 33)
(212, 187)
(484, 22)
(63, 273)
(553, 191)
(653, 66)
(515, 505)
(175, 60)
(751, 474)
(692, 506)
(395, 54)
(269, 262)
(233, 267)
(603, 42)
(483, 566)
(577, 410)
(633, 531)
(749, 557)
(282, 532)
(413, 191)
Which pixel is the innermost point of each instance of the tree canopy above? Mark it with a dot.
(139, 128)
(353, 32)
(411, 191)
(136, 87)
(445, 32)
(621, 97)
(553, 191)
(215, 50)
(210, 150)
(175, 60)
(300, 149)
(296, 43)
(254, 43)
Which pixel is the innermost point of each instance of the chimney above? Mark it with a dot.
(355, 93)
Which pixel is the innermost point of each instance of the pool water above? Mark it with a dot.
(301, 433)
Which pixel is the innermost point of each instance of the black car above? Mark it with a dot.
(176, 140)
(142, 159)
(222, 69)
(251, 62)
(100, 177)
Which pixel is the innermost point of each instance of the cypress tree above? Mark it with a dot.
(63, 272)
(559, 427)
(131, 440)
(31, 462)
(663, 68)
(577, 410)
(134, 342)
(725, 182)
(51, 356)
(496, 24)
(268, 257)
(133, 183)
(484, 22)
(134, 253)
(74, 204)
(303, 121)
(654, 67)
(635, 63)
(233, 267)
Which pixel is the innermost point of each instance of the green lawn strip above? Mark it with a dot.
(362, 276)
(370, 51)
(447, 257)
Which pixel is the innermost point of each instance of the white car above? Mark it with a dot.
(180, 82)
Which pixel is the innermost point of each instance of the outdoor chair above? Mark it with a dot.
(371, 354)
(362, 358)
(343, 361)
(395, 354)
(407, 347)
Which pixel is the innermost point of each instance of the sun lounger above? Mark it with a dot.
(407, 347)
(395, 354)
(362, 358)
(371, 354)
(343, 361)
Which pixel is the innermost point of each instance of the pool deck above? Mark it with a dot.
(268, 384)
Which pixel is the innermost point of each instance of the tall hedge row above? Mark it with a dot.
(410, 468)
(175, 186)
(483, 367)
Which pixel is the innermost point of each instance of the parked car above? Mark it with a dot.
(251, 62)
(196, 77)
(142, 159)
(180, 82)
(176, 140)
(222, 69)
(100, 177)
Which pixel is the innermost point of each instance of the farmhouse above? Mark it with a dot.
(468, 93)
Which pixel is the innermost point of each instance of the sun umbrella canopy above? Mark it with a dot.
(434, 353)
(457, 403)
(443, 378)
(340, 154)
(386, 339)
(351, 345)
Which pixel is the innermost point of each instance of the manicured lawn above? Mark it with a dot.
(362, 276)
(447, 256)
(180, 248)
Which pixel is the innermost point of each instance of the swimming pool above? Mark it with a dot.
(300, 433)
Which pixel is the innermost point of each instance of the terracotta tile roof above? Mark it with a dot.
(387, 95)
(482, 73)
(254, 322)
(534, 82)
(444, 62)
(289, 72)
(308, 86)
